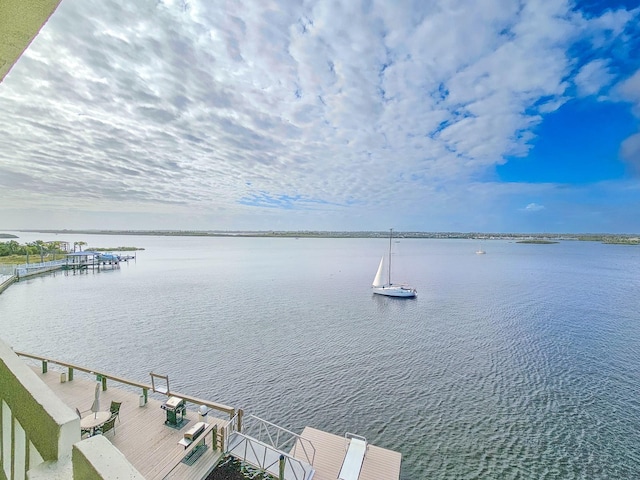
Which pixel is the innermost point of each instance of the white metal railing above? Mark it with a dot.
(33, 268)
(262, 444)
(50, 263)
(277, 437)
(268, 458)
(7, 269)
(26, 268)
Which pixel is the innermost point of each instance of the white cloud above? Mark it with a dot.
(629, 90)
(343, 110)
(593, 77)
(533, 207)
(630, 152)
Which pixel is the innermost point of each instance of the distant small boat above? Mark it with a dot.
(389, 289)
(480, 252)
(108, 257)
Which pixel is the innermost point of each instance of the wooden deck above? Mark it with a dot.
(379, 463)
(140, 434)
(152, 447)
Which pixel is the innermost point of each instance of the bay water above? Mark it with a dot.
(521, 363)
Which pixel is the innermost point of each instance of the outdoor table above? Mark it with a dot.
(91, 422)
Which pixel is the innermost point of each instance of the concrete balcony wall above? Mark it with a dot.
(20, 22)
(96, 459)
(36, 426)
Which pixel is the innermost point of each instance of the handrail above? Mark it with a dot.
(262, 462)
(227, 429)
(277, 444)
(50, 263)
(144, 386)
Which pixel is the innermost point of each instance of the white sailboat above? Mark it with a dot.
(389, 289)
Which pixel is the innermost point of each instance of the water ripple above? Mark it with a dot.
(521, 364)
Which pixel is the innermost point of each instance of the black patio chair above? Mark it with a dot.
(115, 409)
(108, 425)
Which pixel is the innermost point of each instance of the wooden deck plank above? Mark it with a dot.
(199, 470)
(140, 433)
(379, 463)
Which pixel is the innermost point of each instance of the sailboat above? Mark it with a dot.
(389, 289)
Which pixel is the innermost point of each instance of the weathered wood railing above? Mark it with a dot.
(104, 376)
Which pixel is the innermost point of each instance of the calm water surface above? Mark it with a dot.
(521, 363)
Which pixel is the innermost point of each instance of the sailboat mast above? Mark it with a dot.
(390, 236)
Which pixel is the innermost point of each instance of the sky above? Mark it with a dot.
(344, 115)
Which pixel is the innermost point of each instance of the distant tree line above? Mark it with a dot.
(37, 248)
(49, 250)
(591, 237)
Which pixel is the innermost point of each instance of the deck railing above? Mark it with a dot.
(103, 377)
(228, 429)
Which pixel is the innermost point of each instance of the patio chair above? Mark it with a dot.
(83, 431)
(82, 413)
(115, 409)
(108, 425)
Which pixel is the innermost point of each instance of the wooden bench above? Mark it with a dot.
(192, 434)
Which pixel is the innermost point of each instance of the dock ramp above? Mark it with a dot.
(354, 457)
(269, 448)
(267, 458)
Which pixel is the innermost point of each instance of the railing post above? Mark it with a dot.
(44, 366)
(240, 413)
(70, 374)
(145, 393)
(281, 468)
(214, 437)
(222, 439)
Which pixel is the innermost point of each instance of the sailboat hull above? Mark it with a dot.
(395, 291)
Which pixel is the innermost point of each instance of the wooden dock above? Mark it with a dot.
(140, 434)
(379, 463)
(152, 447)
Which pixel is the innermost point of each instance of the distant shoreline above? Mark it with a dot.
(538, 242)
(626, 239)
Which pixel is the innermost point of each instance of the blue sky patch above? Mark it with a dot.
(283, 202)
(579, 143)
